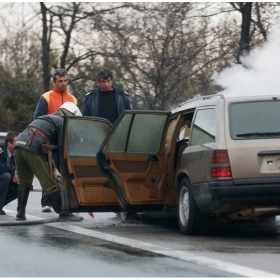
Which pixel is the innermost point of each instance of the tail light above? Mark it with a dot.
(220, 166)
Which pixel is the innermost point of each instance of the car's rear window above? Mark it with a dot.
(255, 120)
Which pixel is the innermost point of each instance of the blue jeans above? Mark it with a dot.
(44, 200)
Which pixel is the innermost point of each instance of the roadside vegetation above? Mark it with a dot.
(161, 53)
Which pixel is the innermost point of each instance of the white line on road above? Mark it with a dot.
(240, 270)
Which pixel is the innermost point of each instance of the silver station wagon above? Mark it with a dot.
(214, 157)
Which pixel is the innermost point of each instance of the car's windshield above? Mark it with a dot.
(254, 120)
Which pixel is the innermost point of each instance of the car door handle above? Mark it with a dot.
(153, 158)
(101, 159)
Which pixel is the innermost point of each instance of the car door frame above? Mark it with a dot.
(104, 161)
(71, 199)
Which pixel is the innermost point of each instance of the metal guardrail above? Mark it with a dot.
(2, 136)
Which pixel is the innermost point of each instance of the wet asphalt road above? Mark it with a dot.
(105, 246)
(41, 251)
(44, 250)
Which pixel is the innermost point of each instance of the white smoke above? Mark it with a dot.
(261, 74)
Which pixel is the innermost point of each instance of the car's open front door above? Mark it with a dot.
(84, 186)
(133, 157)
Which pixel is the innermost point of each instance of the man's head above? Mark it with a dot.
(10, 140)
(60, 79)
(105, 80)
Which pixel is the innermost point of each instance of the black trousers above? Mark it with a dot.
(8, 189)
(12, 193)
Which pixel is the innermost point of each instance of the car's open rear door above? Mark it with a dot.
(84, 186)
(134, 158)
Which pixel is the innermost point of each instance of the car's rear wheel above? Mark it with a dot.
(191, 220)
(270, 220)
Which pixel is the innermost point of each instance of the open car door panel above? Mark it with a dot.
(133, 157)
(84, 186)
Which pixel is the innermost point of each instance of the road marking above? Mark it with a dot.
(239, 270)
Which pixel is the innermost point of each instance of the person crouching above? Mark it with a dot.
(31, 160)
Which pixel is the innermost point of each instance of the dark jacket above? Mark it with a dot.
(92, 100)
(4, 166)
(51, 125)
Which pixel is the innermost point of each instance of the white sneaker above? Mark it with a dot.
(46, 209)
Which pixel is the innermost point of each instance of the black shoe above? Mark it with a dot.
(70, 217)
(2, 212)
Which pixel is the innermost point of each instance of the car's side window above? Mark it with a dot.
(138, 133)
(85, 137)
(150, 137)
(204, 127)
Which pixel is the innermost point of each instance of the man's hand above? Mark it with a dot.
(56, 175)
(15, 177)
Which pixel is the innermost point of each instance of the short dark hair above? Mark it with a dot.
(59, 72)
(10, 137)
(104, 74)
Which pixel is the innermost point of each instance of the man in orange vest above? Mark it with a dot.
(48, 103)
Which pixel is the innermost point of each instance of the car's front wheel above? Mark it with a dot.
(191, 220)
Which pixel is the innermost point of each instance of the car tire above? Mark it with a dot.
(270, 220)
(191, 220)
(126, 216)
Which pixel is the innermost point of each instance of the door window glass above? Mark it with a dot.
(118, 141)
(204, 127)
(85, 136)
(138, 133)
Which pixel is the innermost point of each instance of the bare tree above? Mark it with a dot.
(47, 30)
(63, 36)
(20, 83)
(245, 8)
(255, 24)
(160, 52)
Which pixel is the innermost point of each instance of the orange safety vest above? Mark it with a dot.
(55, 99)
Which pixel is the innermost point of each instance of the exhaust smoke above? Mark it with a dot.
(259, 74)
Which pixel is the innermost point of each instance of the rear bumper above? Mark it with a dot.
(211, 195)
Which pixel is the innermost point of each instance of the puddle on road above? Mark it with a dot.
(50, 237)
(241, 237)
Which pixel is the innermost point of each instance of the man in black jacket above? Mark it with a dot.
(8, 173)
(106, 101)
(32, 160)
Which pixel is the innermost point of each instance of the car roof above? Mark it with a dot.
(216, 98)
